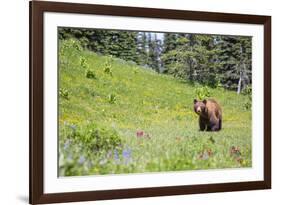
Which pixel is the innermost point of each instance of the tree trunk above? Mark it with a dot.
(239, 84)
(190, 70)
(244, 76)
(241, 73)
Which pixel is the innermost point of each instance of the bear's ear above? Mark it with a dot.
(204, 101)
(194, 101)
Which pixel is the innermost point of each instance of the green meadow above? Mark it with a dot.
(117, 117)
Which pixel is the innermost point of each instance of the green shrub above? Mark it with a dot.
(84, 64)
(112, 98)
(107, 67)
(85, 147)
(93, 138)
(100, 138)
(71, 44)
(248, 92)
(202, 92)
(69, 49)
(90, 74)
(64, 93)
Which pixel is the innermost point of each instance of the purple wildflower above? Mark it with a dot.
(116, 156)
(127, 155)
(66, 144)
(81, 160)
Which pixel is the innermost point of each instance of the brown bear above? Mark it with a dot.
(210, 114)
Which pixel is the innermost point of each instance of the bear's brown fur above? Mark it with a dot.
(210, 114)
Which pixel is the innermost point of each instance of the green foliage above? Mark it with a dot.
(153, 117)
(90, 74)
(68, 50)
(112, 98)
(100, 138)
(142, 45)
(83, 63)
(248, 92)
(212, 60)
(170, 42)
(236, 59)
(72, 44)
(121, 44)
(202, 92)
(64, 93)
(209, 59)
(82, 145)
(154, 48)
(107, 67)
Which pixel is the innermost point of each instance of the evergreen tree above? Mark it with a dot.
(121, 44)
(154, 52)
(194, 59)
(142, 49)
(236, 59)
(170, 42)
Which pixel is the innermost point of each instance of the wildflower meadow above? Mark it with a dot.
(118, 117)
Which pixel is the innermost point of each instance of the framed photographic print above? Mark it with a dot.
(138, 102)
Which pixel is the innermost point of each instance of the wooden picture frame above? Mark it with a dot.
(37, 9)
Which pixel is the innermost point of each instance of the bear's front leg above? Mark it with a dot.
(202, 124)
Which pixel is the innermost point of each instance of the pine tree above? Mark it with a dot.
(142, 49)
(121, 44)
(154, 52)
(170, 42)
(194, 59)
(236, 59)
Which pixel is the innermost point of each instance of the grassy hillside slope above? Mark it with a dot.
(126, 119)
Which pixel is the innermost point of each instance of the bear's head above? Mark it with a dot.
(200, 106)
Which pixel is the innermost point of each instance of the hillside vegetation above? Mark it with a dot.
(117, 117)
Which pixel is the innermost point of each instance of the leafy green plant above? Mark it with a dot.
(64, 93)
(83, 145)
(135, 70)
(248, 92)
(83, 62)
(99, 138)
(202, 92)
(107, 67)
(69, 49)
(72, 44)
(90, 74)
(112, 98)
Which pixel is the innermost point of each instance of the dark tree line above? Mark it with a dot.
(119, 44)
(211, 60)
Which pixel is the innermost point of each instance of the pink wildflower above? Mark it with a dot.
(140, 133)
